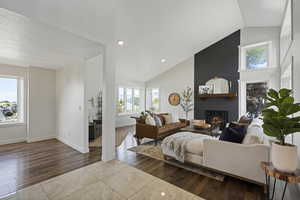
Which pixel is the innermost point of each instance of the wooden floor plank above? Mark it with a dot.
(27, 164)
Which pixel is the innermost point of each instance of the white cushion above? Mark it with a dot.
(150, 120)
(251, 139)
(254, 133)
(195, 146)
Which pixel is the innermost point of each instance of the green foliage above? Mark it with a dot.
(277, 113)
(186, 101)
(256, 56)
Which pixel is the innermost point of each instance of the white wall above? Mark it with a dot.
(296, 74)
(14, 133)
(174, 80)
(41, 104)
(253, 35)
(70, 106)
(94, 83)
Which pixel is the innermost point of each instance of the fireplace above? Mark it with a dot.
(217, 116)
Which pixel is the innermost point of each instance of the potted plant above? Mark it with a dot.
(186, 101)
(279, 122)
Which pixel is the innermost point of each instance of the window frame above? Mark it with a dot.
(150, 98)
(125, 100)
(243, 55)
(20, 101)
(243, 94)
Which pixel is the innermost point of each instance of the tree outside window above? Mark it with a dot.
(9, 100)
(257, 57)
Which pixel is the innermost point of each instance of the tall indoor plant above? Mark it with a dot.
(186, 101)
(279, 122)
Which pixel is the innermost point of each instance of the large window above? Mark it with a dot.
(154, 99)
(128, 100)
(256, 93)
(11, 101)
(256, 56)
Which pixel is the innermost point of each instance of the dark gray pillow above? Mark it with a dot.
(234, 134)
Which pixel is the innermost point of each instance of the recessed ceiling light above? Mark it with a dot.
(163, 60)
(121, 42)
(162, 194)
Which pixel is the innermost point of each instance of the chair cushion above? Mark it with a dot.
(170, 127)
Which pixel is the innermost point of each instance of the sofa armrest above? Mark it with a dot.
(145, 130)
(237, 159)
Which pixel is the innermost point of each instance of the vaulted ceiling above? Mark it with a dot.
(26, 42)
(152, 30)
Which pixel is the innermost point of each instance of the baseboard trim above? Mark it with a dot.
(37, 139)
(74, 146)
(12, 141)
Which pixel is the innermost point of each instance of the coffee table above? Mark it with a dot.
(209, 131)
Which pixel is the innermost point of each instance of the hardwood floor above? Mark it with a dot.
(25, 164)
(210, 189)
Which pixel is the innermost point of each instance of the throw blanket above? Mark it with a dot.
(177, 143)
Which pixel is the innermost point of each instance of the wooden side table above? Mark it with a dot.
(286, 177)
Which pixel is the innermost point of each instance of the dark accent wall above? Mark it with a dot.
(220, 59)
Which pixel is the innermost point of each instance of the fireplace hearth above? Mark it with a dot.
(217, 117)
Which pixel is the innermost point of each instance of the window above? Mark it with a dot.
(128, 100)
(154, 99)
(256, 56)
(256, 93)
(11, 100)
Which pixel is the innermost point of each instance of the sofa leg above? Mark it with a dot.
(138, 140)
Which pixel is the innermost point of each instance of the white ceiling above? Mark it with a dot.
(27, 42)
(152, 30)
(262, 12)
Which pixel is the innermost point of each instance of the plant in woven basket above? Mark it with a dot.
(186, 101)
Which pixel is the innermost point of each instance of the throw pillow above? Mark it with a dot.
(168, 118)
(150, 120)
(162, 119)
(157, 120)
(233, 134)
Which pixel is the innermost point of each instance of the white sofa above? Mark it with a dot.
(238, 160)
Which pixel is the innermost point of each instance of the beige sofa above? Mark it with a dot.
(238, 160)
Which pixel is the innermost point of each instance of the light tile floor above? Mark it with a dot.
(113, 180)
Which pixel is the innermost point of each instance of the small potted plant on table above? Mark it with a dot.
(279, 122)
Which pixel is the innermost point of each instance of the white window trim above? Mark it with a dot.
(242, 56)
(125, 100)
(20, 101)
